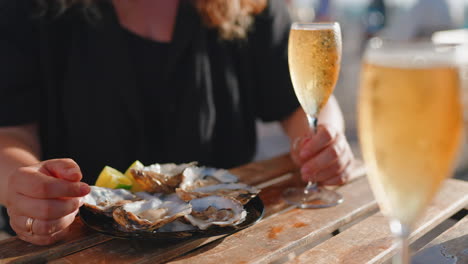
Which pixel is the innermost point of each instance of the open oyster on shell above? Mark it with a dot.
(148, 215)
(104, 200)
(198, 182)
(158, 178)
(216, 210)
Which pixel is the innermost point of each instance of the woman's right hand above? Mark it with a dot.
(49, 193)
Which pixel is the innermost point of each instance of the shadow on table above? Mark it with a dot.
(451, 251)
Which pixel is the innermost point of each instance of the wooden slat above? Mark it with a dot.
(280, 235)
(450, 245)
(14, 250)
(261, 171)
(370, 241)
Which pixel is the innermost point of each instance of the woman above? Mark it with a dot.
(109, 82)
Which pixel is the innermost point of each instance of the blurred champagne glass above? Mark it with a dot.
(410, 127)
(314, 54)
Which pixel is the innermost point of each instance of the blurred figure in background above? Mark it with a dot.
(374, 20)
(323, 11)
(420, 21)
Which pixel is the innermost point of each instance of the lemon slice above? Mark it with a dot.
(112, 178)
(136, 186)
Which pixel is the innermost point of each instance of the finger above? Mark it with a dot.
(66, 169)
(338, 180)
(44, 240)
(41, 227)
(44, 209)
(35, 184)
(296, 147)
(333, 170)
(341, 178)
(324, 137)
(324, 158)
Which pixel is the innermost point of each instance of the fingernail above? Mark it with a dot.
(52, 230)
(85, 189)
(72, 174)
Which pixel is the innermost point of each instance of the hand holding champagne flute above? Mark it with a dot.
(410, 127)
(314, 54)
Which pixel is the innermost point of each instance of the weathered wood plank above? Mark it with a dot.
(280, 235)
(370, 241)
(261, 171)
(447, 247)
(14, 250)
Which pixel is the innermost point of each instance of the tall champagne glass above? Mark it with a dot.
(410, 128)
(314, 54)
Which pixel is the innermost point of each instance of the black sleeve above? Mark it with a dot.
(275, 98)
(19, 71)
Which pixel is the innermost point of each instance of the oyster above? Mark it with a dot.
(149, 215)
(216, 210)
(160, 177)
(195, 177)
(104, 200)
(203, 182)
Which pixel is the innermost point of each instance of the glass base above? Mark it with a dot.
(316, 198)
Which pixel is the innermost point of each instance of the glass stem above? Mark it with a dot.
(311, 185)
(313, 122)
(401, 233)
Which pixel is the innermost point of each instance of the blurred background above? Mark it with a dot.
(440, 20)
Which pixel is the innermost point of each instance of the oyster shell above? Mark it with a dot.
(198, 182)
(202, 182)
(160, 177)
(104, 200)
(239, 191)
(216, 210)
(148, 215)
(196, 177)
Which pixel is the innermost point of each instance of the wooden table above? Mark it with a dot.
(353, 232)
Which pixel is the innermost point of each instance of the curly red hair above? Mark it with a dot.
(232, 18)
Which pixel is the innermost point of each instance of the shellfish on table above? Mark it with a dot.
(176, 197)
(159, 178)
(198, 182)
(216, 210)
(104, 200)
(149, 215)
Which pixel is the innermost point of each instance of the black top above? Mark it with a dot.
(90, 86)
(149, 59)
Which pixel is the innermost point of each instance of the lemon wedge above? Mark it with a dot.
(112, 178)
(136, 187)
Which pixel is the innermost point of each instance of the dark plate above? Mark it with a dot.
(106, 226)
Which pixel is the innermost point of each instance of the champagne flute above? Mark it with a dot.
(314, 54)
(410, 128)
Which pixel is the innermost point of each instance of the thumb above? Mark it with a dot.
(66, 169)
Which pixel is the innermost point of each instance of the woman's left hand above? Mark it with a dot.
(325, 157)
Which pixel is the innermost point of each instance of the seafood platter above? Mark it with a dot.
(174, 201)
